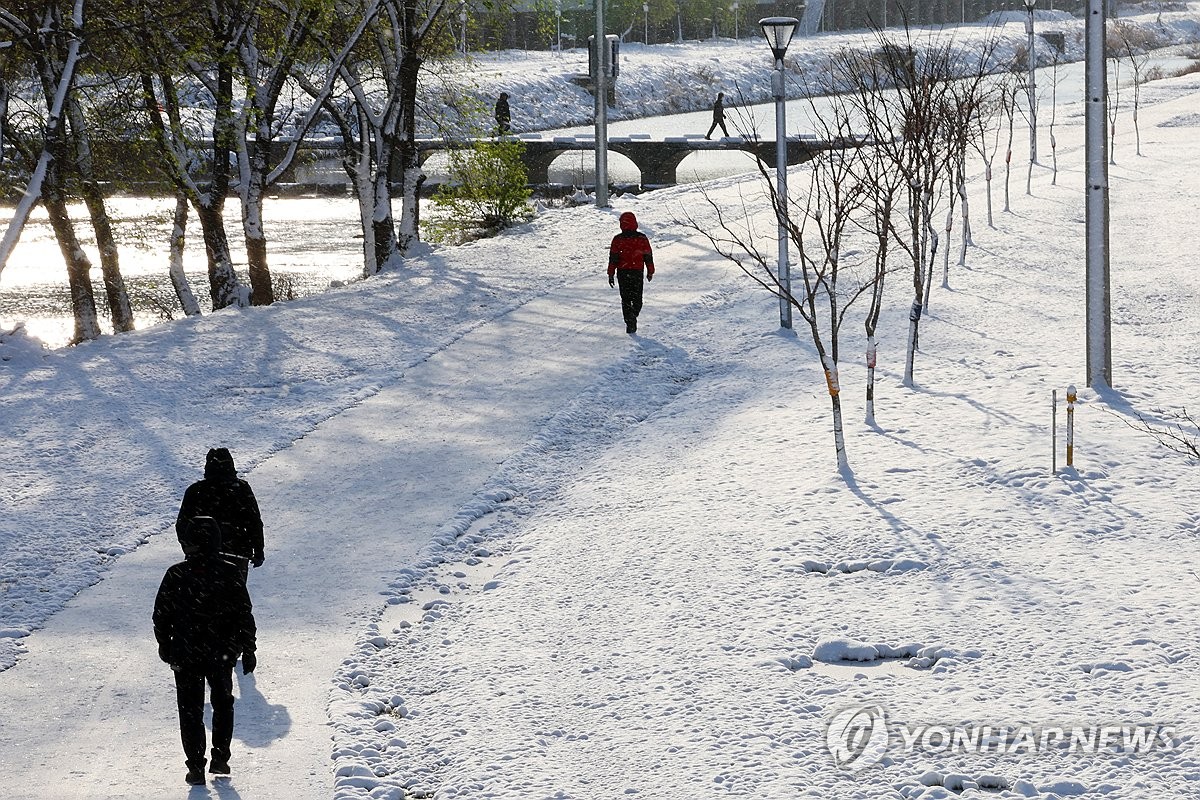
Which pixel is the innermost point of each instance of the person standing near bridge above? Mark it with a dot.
(718, 117)
(503, 115)
(628, 255)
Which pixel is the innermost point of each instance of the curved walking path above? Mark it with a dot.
(89, 710)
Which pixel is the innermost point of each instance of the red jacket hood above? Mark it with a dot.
(628, 221)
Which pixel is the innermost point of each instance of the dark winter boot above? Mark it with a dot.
(195, 775)
(219, 767)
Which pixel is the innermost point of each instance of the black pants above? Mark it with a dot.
(189, 694)
(718, 121)
(630, 282)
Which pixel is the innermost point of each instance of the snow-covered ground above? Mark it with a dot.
(515, 553)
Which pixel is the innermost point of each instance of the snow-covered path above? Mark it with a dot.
(90, 709)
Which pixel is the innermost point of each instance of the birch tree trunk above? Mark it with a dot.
(79, 266)
(224, 289)
(835, 400)
(872, 354)
(110, 263)
(967, 239)
(183, 291)
(383, 227)
(946, 250)
(262, 292)
(411, 176)
(883, 213)
(914, 313)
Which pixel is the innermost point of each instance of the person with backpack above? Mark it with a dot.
(203, 622)
(628, 255)
(229, 500)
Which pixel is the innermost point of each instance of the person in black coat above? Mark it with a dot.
(503, 115)
(229, 500)
(203, 621)
(718, 110)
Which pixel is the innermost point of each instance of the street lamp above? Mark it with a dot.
(735, 19)
(558, 26)
(1029, 4)
(646, 22)
(778, 32)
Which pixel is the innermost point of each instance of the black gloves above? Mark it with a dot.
(650, 277)
(164, 653)
(249, 662)
(258, 559)
(611, 281)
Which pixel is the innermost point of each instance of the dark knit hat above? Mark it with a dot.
(202, 537)
(219, 465)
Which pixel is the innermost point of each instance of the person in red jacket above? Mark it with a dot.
(628, 254)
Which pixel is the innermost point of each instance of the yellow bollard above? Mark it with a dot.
(1071, 425)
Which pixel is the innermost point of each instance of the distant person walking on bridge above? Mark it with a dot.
(628, 255)
(503, 115)
(718, 117)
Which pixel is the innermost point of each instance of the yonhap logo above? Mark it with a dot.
(857, 738)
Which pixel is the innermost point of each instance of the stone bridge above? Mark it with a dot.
(657, 159)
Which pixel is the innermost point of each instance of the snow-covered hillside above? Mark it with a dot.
(674, 78)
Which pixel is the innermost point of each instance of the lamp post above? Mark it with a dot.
(646, 22)
(558, 26)
(1029, 4)
(736, 6)
(778, 32)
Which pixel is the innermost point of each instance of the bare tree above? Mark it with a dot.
(910, 95)
(1114, 107)
(265, 53)
(971, 104)
(1053, 119)
(1133, 44)
(817, 226)
(988, 125)
(884, 186)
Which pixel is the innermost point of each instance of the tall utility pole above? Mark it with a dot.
(1032, 64)
(1098, 322)
(601, 83)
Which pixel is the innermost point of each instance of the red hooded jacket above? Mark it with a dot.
(630, 248)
